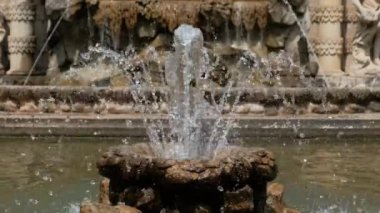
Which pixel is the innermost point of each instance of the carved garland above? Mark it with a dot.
(331, 14)
(21, 45)
(328, 47)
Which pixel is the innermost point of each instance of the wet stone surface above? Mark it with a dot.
(235, 178)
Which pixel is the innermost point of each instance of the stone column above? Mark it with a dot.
(329, 44)
(21, 40)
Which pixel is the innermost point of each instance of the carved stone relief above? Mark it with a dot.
(343, 34)
(366, 43)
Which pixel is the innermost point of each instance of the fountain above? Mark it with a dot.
(196, 163)
(195, 78)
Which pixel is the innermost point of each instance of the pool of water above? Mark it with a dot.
(55, 175)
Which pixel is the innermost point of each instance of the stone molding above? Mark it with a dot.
(20, 12)
(328, 47)
(324, 14)
(21, 45)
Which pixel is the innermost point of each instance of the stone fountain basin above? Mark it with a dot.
(233, 170)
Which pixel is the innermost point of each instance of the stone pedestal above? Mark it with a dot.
(328, 15)
(21, 40)
(235, 179)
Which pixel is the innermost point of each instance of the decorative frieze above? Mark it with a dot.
(22, 45)
(328, 47)
(21, 12)
(327, 14)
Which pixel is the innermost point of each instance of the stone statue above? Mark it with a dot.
(291, 37)
(366, 44)
(2, 38)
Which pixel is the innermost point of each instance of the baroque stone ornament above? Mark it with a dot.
(21, 40)
(365, 47)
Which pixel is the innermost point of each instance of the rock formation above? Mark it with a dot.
(140, 179)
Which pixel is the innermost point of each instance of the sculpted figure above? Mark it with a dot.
(291, 36)
(2, 38)
(366, 44)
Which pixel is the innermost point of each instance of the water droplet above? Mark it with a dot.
(89, 167)
(92, 182)
(51, 193)
(17, 202)
(302, 135)
(46, 178)
(220, 188)
(33, 201)
(23, 154)
(125, 141)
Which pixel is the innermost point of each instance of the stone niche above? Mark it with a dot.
(229, 26)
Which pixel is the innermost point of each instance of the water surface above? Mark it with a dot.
(55, 175)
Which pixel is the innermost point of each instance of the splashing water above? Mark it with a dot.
(190, 115)
(195, 127)
(305, 36)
